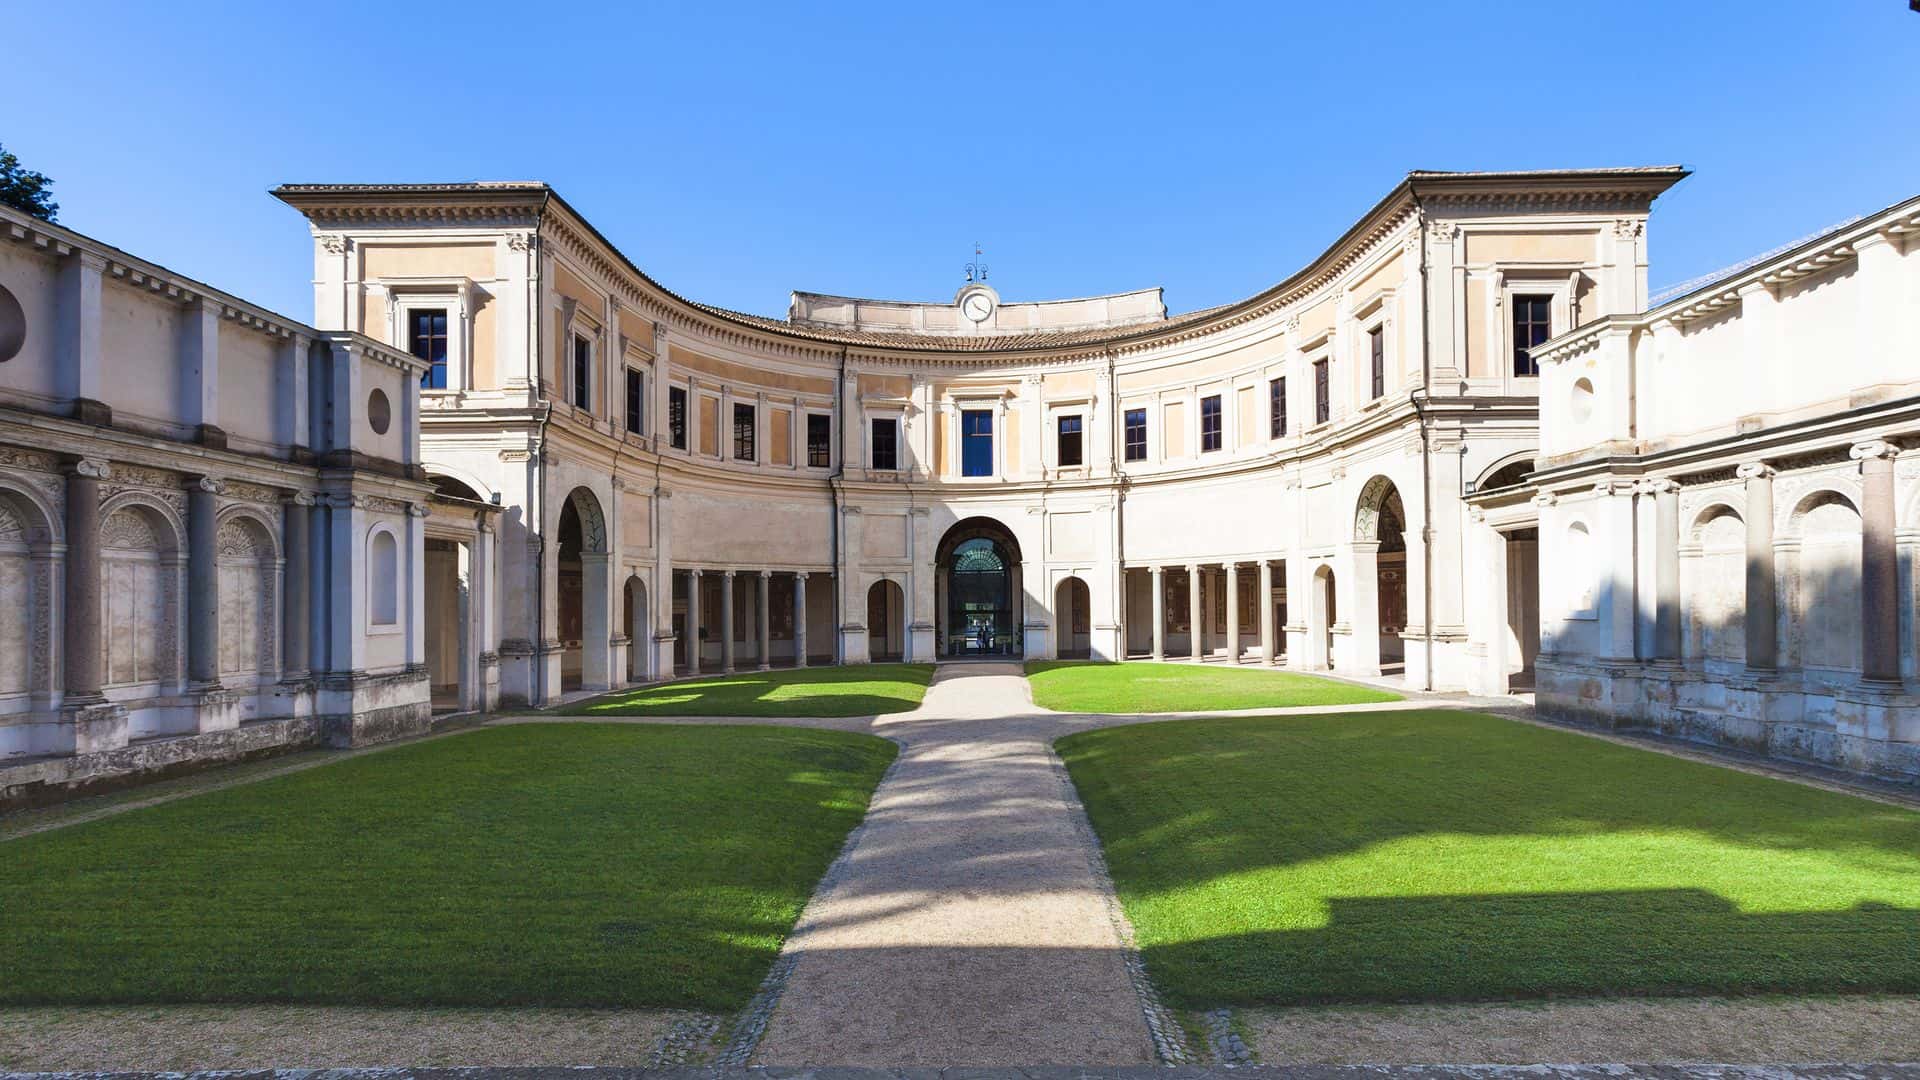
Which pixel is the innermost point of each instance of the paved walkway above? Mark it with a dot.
(969, 920)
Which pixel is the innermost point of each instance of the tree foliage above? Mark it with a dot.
(24, 189)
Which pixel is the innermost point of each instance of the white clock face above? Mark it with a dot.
(977, 306)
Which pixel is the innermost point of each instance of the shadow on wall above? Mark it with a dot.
(1818, 601)
(1661, 941)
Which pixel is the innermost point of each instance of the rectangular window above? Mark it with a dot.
(427, 339)
(1532, 324)
(582, 372)
(1277, 408)
(1377, 347)
(886, 444)
(635, 398)
(976, 442)
(819, 440)
(677, 416)
(742, 432)
(1322, 397)
(1067, 442)
(1136, 435)
(1210, 423)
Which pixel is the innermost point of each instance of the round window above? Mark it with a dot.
(1581, 403)
(13, 326)
(379, 412)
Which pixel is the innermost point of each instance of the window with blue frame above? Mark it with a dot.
(976, 442)
(427, 339)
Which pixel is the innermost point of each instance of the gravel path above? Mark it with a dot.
(182, 1037)
(970, 922)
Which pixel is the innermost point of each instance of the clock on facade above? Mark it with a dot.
(977, 303)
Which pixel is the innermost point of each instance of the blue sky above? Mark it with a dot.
(737, 152)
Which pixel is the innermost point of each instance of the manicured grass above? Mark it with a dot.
(1433, 855)
(553, 864)
(857, 690)
(1145, 687)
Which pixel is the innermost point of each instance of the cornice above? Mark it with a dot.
(1615, 190)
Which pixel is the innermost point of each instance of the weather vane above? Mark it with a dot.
(976, 270)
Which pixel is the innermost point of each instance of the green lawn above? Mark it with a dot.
(1144, 687)
(552, 864)
(1435, 855)
(855, 690)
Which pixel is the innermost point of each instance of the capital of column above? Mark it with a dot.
(208, 484)
(1872, 450)
(1754, 470)
(300, 498)
(1614, 487)
(695, 573)
(418, 510)
(1157, 571)
(766, 575)
(1659, 485)
(91, 468)
(728, 574)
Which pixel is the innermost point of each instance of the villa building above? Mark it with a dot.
(1730, 489)
(1459, 448)
(212, 523)
(1279, 480)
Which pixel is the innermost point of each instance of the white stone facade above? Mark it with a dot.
(876, 479)
(211, 523)
(1729, 504)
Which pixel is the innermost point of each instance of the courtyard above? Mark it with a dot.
(680, 877)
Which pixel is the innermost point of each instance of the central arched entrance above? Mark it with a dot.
(980, 606)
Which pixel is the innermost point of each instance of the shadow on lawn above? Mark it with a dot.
(1235, 795)
(1662, 941)
(754, 692)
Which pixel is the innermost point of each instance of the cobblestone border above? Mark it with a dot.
(686, 1042)
(1223, 1042)
(1169, 1038)
(751, 1024)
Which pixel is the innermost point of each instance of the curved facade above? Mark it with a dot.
(1279, 480)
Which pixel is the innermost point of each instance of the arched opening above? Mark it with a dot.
(1822, 608)
(383, 578)
(886, 622)
(636, 617)
(1325, 613)
(978, 580)
(1071, 619)
(141, 566)
(1381, 521)
(26, 637)
(1713, 587)
(583, 593)
(247, 570)
(1504, 476)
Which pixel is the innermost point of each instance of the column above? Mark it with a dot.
(1666, 568)
(203, 592)
(82, 608)
(800, 619)
(296, 579)
(1196, 618)
(1879, 565)
(1159, 574)
(766, 620)
(694, 610)
(1762, 645)
(1233, 613)
(1266, 611)
(726, 621)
